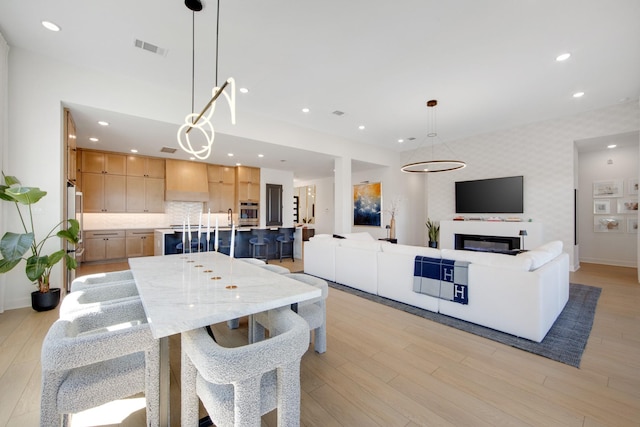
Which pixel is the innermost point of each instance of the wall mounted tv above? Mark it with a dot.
(495, 195)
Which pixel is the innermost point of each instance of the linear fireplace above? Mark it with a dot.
(496, 244)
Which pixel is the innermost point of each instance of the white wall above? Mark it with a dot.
(543, 153)
(612, 248)
(4, 71)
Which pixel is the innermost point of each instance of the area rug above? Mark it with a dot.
(565, 342)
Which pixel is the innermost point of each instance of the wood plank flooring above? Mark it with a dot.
(385, 367)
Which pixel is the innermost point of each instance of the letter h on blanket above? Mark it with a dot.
(441, 278)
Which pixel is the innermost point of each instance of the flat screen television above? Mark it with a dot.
(495, 195)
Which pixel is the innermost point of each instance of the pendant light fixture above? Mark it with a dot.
(433, 165)
(202, 121)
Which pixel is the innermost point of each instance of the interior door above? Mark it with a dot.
(274, 204)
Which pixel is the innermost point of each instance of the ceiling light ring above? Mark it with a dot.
(458, 164)
(423, 166)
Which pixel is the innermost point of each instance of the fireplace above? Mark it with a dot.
(496, 244)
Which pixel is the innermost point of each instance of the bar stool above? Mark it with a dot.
(285, 237)
(238, 385)
(87, 363)
(258, 242)
(224, 242)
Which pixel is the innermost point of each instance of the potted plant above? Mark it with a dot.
(14, 247)
(433, 231)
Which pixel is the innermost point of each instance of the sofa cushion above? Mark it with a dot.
(411, 250)
(489, 259)
(366, 237)
(554, 248)
(360, 244)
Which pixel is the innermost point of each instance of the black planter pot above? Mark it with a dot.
(44, 301)
(433, 244)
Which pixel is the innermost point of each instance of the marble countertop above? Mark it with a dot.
(184, 292)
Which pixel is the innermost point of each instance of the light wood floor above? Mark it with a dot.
(385, 367)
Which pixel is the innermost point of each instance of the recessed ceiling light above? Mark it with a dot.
(133, 150)
(305, 110)
(192, 158)
(260, 155)
(578, 94)
(612, 146)
(230, 154)
(401, 141)
(103, 123)
(93, 139)
(361, 127)
(244, 90)
(563, 57)
(50, 26)
(238, 164)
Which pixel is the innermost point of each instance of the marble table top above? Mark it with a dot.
(187, 291)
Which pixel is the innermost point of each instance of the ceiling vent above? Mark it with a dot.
(168, 150)
(338, 113)
(150, 47)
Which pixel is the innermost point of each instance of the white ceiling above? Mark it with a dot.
(490, 63)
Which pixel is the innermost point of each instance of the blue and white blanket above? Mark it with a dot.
(441, 278)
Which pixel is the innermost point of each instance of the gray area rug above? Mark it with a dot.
(565, 341)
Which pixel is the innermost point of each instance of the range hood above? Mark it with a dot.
(186, 181)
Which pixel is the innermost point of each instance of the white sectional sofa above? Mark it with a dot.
(521, 295)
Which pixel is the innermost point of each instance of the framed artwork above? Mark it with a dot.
(608, 224)
(628, 205)
(602, 206)
(632, 225)
(632, 186)
(609, 188)
(367, 204)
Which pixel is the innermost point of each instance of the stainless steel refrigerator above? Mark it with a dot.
(74, 211)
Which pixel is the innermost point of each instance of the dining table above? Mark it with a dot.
(188, 291)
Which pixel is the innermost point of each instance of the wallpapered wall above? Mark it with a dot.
(543, 153)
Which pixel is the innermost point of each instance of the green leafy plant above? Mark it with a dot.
(433, 229)
(15, 247)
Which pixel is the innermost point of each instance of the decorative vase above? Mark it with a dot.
(392, 228)
(433, 244)
(44, 301)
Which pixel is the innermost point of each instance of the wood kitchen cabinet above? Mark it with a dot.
(148, 167)
(104, 163)
(186, 181)
(101, 245)
(248, 184)
(72, 153)
(139, 243)
(104, 193)
(222, 187)
(144, 195)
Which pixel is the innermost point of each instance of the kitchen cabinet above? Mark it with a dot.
(222, 188)
(186, 181)
(148, 167)
(144, 195)
(72, 153)
(248, 184)
(101, 245)
(139, 243)
(104, 192)
(104, 163)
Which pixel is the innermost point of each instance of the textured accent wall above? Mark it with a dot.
(544, 154)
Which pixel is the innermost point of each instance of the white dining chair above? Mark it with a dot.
(98, 356)
(95, 296)
(239, 385)
(314, 311)
(100, 279)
